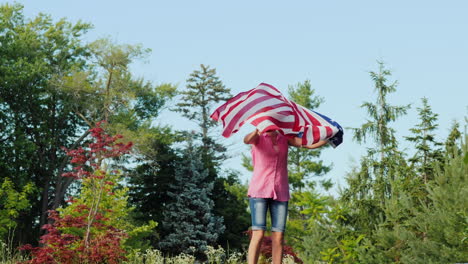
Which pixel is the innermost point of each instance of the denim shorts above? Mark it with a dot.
(278, 213)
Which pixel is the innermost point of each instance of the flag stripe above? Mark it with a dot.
(266, 108)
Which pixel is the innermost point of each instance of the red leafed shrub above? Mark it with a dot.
(88, 161)
(85, 235)
(102, 246)
(266, 248)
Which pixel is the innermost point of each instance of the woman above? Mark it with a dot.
(269, 188)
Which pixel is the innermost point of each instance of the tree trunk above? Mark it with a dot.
(63, 183)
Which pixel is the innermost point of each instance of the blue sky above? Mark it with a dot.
(334, 44)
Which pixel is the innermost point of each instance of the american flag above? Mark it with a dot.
(267, 109)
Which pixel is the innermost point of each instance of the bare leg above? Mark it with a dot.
(254, 247)
(277, 239)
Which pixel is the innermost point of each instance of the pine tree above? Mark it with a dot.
(441, 228)
(189, 220)
(451, 142)
(426, 145)
(150, 181)
(204, 88)
(378, 127)
(383, 171)
(304, 163)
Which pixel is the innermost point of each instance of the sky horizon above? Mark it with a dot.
(332, 44)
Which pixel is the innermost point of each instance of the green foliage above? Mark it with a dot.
(204, 89)
(304, 163)
(441, 226)
(213, 256)
(110, 198)
(189, 223)
(233, 208)
(9, 254)
(427, 149)
(391, 213)
(12, 203)
(379, 171)
(380, 112)
(451, 142)
(55, 87)
(149, 183)
(36, 118)
(109, 91)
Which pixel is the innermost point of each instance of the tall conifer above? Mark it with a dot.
(188, 219)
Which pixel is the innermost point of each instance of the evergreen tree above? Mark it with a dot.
(452, 139)
(189, 220)
(382, 174)
(429, 230)
(378, 127)
(426, 145)
(204, 88)
(149, 181)
(232, 207)
(304, 163)
(441, 228)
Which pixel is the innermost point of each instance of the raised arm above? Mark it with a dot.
(297, 142)
(251, 138)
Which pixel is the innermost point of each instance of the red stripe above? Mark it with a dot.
(246, 108)
(304, 136)
(232, 130)
(215, 114)
(277, 122)
(235, 105)
(298, 114)
(316, 134)
(329, 131)
(312, 119)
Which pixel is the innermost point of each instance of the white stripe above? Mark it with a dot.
(251, 111)
(250, 116)
(238, 108)
(301, 119)
(319, 118)
(322, 132)
(255, 92)
(274, 113)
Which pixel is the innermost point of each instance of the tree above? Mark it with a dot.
(453, 137)
(304, 163)
(426, 145)
(149, 183)
(189, 220)
(127, 104)
(378, 128)
(12, 203)
(36, 118)
(232, 206)
(54, 88)
(204, 89)
(382, 177)
(95, 225)
(441, 226)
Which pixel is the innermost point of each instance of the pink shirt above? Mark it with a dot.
(270, 175)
